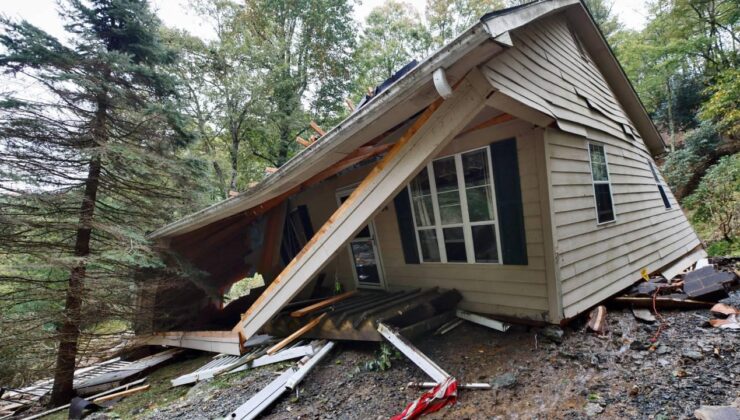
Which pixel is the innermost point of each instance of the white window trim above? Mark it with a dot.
(608, 182)
(466, 224)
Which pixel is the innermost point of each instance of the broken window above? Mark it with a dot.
(602, 186)
(661, 188)
(454, 213)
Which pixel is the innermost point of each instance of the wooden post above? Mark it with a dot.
(426, 137)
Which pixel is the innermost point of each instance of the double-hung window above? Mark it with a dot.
(602, 186)
(661, 189)
(454, 209)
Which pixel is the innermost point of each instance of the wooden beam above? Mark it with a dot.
(302, 142)
(299, 332)
(317, 129)
(270, 170)
(121, 394)
(420, 359)
(498, 119)
(429, 134)
(323, 304)
(350, 104)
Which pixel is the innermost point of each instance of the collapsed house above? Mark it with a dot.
(515, 166)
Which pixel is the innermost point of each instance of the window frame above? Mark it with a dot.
(661, 188)
(466, 225)
(608, 182)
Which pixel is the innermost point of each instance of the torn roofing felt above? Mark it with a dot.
(348, 135)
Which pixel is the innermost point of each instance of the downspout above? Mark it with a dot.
(441, 84)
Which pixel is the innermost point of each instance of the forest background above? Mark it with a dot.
(123, 125)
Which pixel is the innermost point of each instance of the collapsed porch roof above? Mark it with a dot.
(412, 93)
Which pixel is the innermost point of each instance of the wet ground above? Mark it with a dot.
(623, 374)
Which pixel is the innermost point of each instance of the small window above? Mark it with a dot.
(454, 212)
(661, 188)
(602, 185)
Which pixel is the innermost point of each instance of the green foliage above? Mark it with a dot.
(723, 106)
(698, 144)
(724, 248)
(383, 360)
(605, 18)
(717, 200)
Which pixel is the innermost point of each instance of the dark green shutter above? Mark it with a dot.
(406, 227)
(509, 202)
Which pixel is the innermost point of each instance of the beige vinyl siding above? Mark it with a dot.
(516, 291)
(546, 70)
(597, 261)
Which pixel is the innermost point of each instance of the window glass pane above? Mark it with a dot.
(455, 244)
(475, 168)
(423, 211)
(480, 203)
(663, 196)
(420, 184)
(449, 207)
(604, 208)
(445, 174)
(365, 263)
(598, 163)
(429, 246)
(484, 243)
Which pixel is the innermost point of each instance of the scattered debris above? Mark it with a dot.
(121, 394)
(593, 409)
(444, 329)
(102, 394)
(643, 315)
(482, 320)
(320, 305)
(724, 309)
(707, 283)
(440, 396)
(299, 332)
(420, 359)
(732, 321)
(692, 354)
(287, 380)
(597, 320)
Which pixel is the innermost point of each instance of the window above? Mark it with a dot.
(454, 209)
(602, 187)
(661, 189)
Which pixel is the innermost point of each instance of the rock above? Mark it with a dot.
(662, 349)
(553, 333)
(692, 354)
(593, 409)
(638, 345)
(507, 380)
(719, 412)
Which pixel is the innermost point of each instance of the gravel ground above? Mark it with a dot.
(620, 375)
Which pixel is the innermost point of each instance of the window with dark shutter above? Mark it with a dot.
(602, 185)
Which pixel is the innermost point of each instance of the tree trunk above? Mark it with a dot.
(234, 155)
(69, 333)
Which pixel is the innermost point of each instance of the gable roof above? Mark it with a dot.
(413, 90)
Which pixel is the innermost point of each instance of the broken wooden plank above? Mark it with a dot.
(681, 265)
(289, 339)
(226, 342)
(426, 137)
(597, 320)
(317, 129)
(444, 329)
(66, 406)
(300, 140)
(310, 364)
(323, 304)
(724, 309)
(483, 320)
(663, 302)
(288, 379)
(121, 394)
(420, 359)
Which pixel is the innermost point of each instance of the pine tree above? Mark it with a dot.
(88, 164)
